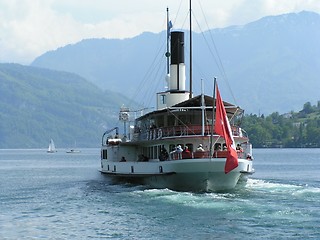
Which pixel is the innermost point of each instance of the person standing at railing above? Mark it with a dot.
(178, 151)
(186, 153)
(200, 148)
(163, 154)
(239, 148)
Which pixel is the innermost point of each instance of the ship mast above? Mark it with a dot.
(190, 22)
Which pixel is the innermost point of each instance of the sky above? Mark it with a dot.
(29, 28)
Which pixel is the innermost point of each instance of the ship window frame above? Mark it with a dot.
(104, 154)
(163, 98)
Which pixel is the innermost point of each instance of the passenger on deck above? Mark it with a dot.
(123, 159)
(163, 154)
(179, 149)
(186, 153)
(200, 148)
(217, 147)
(143, 158)
(176, 153)
(186, 149)
(239, 148)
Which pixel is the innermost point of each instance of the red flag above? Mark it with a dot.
(222, 127)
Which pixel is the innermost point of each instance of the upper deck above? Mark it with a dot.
(155, 133)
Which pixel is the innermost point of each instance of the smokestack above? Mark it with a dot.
(177, 47)
(177, 66)
(176, 92)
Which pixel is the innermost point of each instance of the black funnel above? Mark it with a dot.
(177, 47)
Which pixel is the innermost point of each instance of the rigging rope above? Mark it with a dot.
(219, 62)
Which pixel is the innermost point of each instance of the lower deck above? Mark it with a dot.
(190, 174)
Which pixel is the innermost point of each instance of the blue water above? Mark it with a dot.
(63, 196)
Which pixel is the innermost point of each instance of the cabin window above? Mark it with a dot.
(104, 154)
(163, 99)
(152, 124)
(171, 121)
(160, 121)
(149, 152)
(182, 120)
(159, 150)
(155, 152)
(145, 151)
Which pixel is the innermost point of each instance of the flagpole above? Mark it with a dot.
(168, 35)
(213, 115)
(222, 127)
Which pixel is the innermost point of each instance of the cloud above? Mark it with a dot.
(28, 28)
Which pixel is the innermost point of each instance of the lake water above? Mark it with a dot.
(63, 196)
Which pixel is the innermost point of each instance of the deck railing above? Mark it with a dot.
(204, 154)
(177, 131)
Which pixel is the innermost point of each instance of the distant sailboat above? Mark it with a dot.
(51, 148)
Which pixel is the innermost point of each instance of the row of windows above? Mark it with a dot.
(154, 152)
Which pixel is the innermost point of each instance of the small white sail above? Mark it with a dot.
(51, 148)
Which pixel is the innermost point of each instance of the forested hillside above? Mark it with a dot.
(38, 104)
(294, 129)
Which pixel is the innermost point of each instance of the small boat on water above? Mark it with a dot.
(73, 151)
(187, 144)
(51, 148)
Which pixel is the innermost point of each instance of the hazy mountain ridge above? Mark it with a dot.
(105, 62)
(272, 59)
(38, 104)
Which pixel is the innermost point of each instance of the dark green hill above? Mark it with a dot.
(294, 129)
(38, 104)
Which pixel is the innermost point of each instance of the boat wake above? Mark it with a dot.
(281, 188)
(188, 199)
(254, 189)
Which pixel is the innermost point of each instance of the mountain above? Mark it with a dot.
(39, 104)
(272, 64)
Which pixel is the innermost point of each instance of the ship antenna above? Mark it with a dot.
(190, 23)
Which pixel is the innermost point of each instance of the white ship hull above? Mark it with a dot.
(181, 175)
